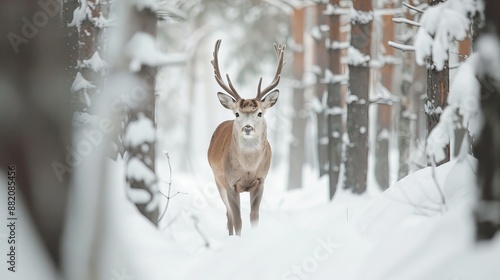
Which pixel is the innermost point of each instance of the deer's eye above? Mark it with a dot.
(237, 114)
(259, 114)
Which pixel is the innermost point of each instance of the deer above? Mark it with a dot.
(239, 153)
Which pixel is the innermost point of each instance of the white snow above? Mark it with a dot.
(96, 63)
(316, 33)
(440, 26)
(142, 50)
(335, 111)
(336, 45)
(138, 171)
(407, 232)
(384, 134)
(402, 47)
(331, 78)
(140, 131)
(356, 58)
(440, 136)
(361, 17)
(81, 83)
(362, 130)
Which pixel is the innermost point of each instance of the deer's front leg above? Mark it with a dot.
(234, 202)
(255, 199)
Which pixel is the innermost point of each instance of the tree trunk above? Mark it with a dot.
(321, 59)
(144, 154)
(409, 104)
(384, 110)
(487, 148)
(35, 130)
(90, 44)
(438, 87)
(297, 149)
(71, 37)
(334, 106)
(356, 161)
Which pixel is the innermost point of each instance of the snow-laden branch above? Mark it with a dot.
(413, 8)
(441, 25)
(336, 45)
(405, 20)
(140, 131)
(331, 78)
(361, 17)
(142, 50)
(96, 63)
(400, 46)
(80, 83)
(356, 58)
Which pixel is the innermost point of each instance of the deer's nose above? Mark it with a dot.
(247, 129)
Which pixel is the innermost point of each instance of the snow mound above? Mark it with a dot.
(417, 195)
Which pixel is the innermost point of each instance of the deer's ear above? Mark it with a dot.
(227, 101)
(269, 100)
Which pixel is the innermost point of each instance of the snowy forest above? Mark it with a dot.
(249, 139)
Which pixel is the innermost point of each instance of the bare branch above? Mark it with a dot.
(168, 196)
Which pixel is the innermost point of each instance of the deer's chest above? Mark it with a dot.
(245, 169)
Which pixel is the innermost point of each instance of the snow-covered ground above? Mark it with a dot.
(405, 232)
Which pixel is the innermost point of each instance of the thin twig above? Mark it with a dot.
(433, 164)
(169, 187)
(205, 239)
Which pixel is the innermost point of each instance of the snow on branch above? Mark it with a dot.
(96, 63)
(463, 110)
(361, 17)
(138, 171)
(140, 131)
(413, 8)
(440, 26)
(336, 45)
(400, 46)
(84, 12)
(405, 20)
(81, 83)
(356, 58)
(142, 50)
(331, 78)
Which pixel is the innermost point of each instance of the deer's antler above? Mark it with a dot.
(280, 53)
(215, 63)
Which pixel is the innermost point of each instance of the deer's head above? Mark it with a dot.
(249, 114)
